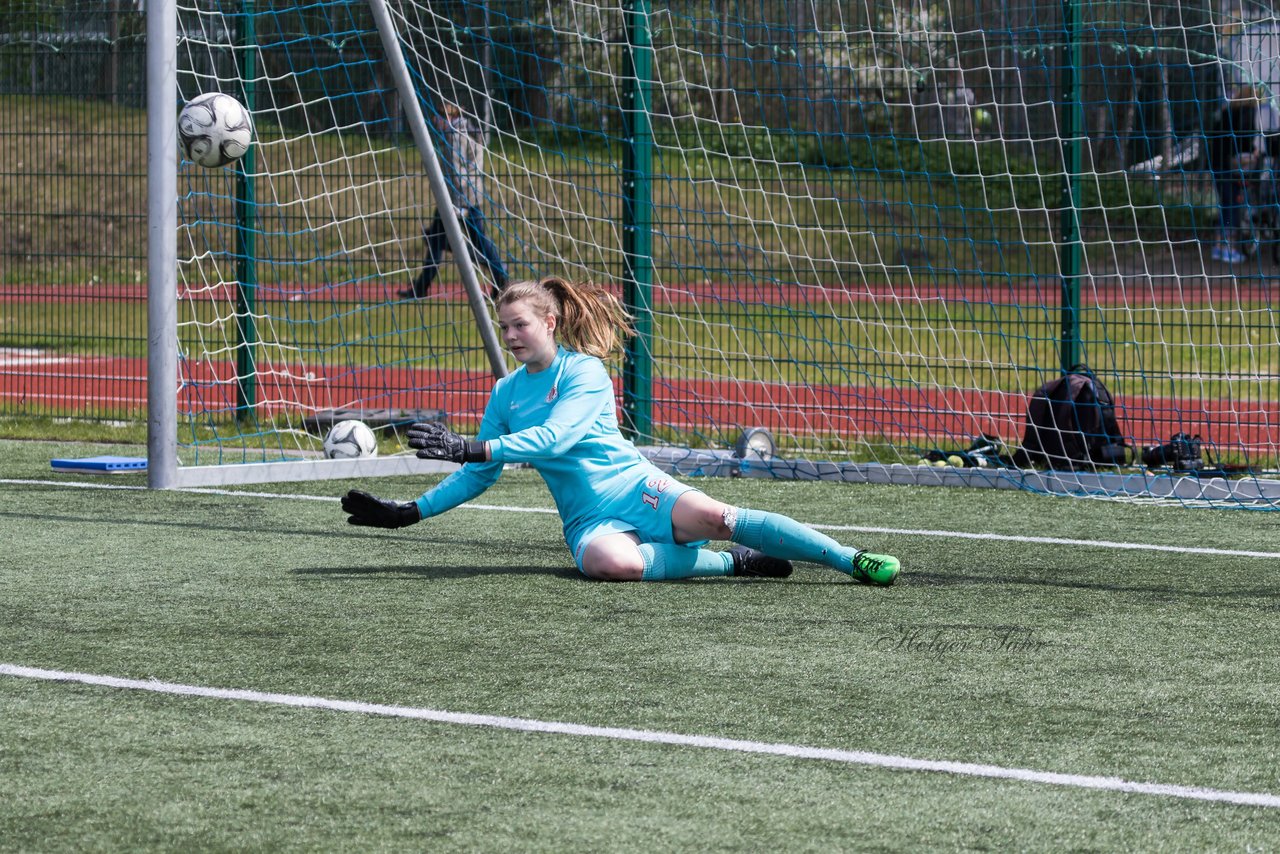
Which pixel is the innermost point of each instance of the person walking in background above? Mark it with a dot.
(461, 148)
(1233, 152)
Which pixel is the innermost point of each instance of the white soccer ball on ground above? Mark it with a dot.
(214, 129)
(347, 440)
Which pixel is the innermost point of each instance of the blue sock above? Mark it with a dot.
(663, 562)
(781, 536)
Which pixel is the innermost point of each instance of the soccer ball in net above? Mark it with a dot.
(350, 439)
(214, 129)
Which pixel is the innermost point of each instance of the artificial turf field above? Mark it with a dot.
(347, 669)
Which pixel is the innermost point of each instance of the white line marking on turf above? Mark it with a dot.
(1054, 541)
(852, 757)
(861, 529)
(81, 484)
(78, 484)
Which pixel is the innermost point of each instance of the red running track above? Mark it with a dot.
(1136, 292)
(713, 407)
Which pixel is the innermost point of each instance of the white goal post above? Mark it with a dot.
(164, 471)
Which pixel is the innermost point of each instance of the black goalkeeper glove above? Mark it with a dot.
(434, 441)
(364, 509)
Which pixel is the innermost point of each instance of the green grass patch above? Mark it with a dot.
(1149, 666)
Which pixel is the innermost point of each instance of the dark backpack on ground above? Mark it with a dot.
(1071, 424)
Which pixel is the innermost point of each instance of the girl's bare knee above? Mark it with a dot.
(699, 517)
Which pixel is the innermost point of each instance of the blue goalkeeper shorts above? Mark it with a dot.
(643, 510)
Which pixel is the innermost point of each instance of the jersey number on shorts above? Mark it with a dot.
(658, 485)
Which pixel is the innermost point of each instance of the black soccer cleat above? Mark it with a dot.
(751, 563)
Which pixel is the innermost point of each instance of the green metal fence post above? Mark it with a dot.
(246, 246)
(1070, 250)
(637, 221)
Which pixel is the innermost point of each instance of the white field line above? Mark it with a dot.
(1054, 541)
(861, 529)
(22, 357)
(852, 757)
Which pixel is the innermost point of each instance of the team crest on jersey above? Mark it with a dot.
(551, 395)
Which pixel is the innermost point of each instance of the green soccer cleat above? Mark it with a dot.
(749, 562)
(878, 570)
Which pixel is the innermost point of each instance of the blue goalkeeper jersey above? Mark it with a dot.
(564, 422)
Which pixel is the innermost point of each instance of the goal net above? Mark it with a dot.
(873, 232)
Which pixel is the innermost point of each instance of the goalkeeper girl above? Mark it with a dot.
(624, 519)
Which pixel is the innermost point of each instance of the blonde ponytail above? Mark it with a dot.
(589, 318)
